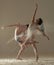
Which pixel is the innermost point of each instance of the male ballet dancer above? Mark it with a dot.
(24, 34)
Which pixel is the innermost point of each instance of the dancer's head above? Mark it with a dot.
(39, 21)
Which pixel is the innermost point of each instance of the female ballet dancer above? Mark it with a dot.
(35, 25)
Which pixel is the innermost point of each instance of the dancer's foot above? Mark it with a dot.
(18, 58)
(37, 59)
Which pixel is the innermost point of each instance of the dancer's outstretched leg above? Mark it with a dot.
(20, 52)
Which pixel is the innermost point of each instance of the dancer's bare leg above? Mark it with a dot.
(35, 51)
(22, 47)
(20, 52)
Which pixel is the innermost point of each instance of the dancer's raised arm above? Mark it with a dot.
(35, 13)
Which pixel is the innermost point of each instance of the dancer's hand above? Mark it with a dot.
(47, 37)
(23, 45)
(36, 5)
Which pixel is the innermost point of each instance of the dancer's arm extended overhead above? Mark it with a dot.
(33, 19)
